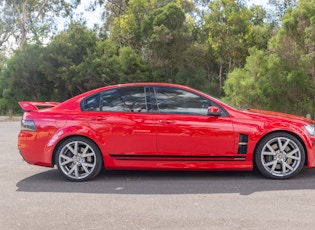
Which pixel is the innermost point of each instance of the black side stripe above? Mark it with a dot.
(176, 157)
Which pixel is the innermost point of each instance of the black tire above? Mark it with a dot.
(78, 159)
(280, 156)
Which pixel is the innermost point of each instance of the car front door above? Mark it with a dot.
(186, 131)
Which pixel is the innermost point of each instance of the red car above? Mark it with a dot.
(158, 126)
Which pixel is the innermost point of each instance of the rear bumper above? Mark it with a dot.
(32, 150)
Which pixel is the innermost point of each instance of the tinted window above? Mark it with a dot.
(91, 103)
(178, 101)
(129, 99)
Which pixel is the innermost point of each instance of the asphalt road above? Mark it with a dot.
(33, 197)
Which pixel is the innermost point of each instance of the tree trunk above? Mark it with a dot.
(220, 77)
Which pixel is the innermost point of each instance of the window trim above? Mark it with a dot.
(153, 101)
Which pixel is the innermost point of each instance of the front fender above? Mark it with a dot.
(299, 132)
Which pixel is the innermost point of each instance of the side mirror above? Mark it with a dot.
(214, 111)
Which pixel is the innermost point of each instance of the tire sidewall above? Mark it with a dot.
(98, 157)
(262, 143)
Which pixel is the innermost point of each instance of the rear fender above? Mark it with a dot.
(64, 133)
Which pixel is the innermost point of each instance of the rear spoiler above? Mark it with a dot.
(28, 106)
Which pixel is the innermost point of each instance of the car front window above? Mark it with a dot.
(178, 101)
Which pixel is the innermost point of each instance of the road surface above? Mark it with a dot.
(33, 197)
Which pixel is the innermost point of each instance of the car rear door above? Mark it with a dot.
(125, 122)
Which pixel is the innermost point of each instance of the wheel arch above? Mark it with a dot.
(281, 131)
(53, 160)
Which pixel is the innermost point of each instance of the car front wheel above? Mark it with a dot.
(78, 159)
(280, 156)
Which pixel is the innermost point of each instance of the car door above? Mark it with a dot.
(184, 130)
(125, 122)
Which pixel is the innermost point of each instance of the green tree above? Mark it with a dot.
(284, 79)
(126, 28)
(281, 6)
(23, 80)
(167, 36)
(295, 46)
(5, 29)
(248, 87)
(132, 66)
(111, 10)
(259, 31)
(3, 85)
(227, 23)
(68, 62)
(159, 32)
(77, 61)
(33, 19)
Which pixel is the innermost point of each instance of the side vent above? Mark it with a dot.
(242, 144)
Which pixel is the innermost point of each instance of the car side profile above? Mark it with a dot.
(160, 126)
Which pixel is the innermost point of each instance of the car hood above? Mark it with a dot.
(282, 115)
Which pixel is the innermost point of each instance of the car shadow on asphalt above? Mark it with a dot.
(153, 182)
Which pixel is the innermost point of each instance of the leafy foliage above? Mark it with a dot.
(284, 79)
(32, 20)
(221, 47)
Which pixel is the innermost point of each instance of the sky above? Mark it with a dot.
(91, 17)
(258, 2)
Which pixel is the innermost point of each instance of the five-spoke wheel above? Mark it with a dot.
(78, 159)
(280, 156)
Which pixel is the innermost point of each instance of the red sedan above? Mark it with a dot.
(158, 126)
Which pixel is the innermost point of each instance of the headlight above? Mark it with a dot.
(310, 129)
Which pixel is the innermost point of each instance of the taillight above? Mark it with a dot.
(28, 125)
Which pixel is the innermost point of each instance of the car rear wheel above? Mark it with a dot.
(280, 156)
(78, 159)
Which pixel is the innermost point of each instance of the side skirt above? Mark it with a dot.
(153, 162)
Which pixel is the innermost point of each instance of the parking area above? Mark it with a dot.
(39, 198)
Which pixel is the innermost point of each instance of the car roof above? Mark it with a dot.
(90, 92)
(146, 84)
